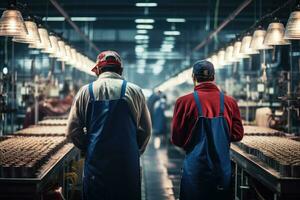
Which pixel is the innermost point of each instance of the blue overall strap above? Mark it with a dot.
(123, 89)
(221, 103)
(91, 91)
(196, 97)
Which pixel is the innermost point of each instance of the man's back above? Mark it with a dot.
(186, 113)
(108, 87)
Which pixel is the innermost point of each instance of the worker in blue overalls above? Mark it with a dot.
(118, 127)
(204, 123)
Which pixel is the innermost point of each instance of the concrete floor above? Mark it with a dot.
(161, 169)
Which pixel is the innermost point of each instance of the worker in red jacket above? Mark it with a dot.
(204, 124)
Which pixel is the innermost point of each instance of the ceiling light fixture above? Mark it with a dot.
(176, 20)
(245, 46)
(144, 26)
(275, 34)
(221, 58)
(236, 51)
(229, 54)
(75, 19)
(144, 21)
(141, 37)
(146, 4)
(141, 31)
(172, 33)
(12, 23)
(292, 31)
(54, 46)
(257, 42)
(32, 35)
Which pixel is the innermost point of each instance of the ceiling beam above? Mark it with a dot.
(73, 24)
(222, 25)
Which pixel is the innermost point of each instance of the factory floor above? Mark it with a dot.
(161, 169)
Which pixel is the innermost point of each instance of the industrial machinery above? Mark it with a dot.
(38, 162)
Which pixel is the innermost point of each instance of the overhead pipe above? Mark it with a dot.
(74, 25)
(222, 25)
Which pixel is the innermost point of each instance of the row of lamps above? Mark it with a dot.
(38, 37)
(247, 45)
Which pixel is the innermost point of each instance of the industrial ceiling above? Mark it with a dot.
(114, 25)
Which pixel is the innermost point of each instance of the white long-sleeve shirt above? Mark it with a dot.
(108, 87)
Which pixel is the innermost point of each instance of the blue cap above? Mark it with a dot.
(203, 68)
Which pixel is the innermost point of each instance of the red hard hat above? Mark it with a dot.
(106, 58)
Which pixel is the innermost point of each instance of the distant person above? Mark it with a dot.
(159, 122)
(118, 126)
(204, 124)
(154, 97)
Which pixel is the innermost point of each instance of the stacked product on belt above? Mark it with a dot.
(23, 156)
(43, 131)
(280, 153)
(56, 117)
(260, 131)
(53, 122)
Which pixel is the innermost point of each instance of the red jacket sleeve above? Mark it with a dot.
(182, 124)
(237, 131)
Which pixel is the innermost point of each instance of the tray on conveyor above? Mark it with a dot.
(56, 117)
(25, 156)
(53, 122)
(262, 172)
(279, 153)
(43, 131)
(257, 130)
(32, 187)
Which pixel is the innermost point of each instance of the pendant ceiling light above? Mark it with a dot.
(292, 31)
(53, 49)
(44, 43)
(62, 51)
(275, 33)
(236, 51)
(32, 35)
(74, 56)
(214, 60)
(229, 54)
(221, 58)
(69, 54)
(257, 42)
(12, 23)
(79, 63)
(245, 46)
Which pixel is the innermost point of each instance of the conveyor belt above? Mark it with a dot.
(34, 158)
(279, 153)
(53, 122)
(23, 156)
(265, 174)
(62, 117)
(257, 130)
(32, 188)
(43, 131)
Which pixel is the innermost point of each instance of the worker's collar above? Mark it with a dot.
(207, 86)
(112, 75)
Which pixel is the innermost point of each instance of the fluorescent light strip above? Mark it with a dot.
(84, 19)
(141, 37)
(173, 33)
(176, 20)
(169, 38)
(146, 4)
(144, 26)
(53, 19)
(144, 21)
(142, 31)
(142, 41)
(75, 19)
